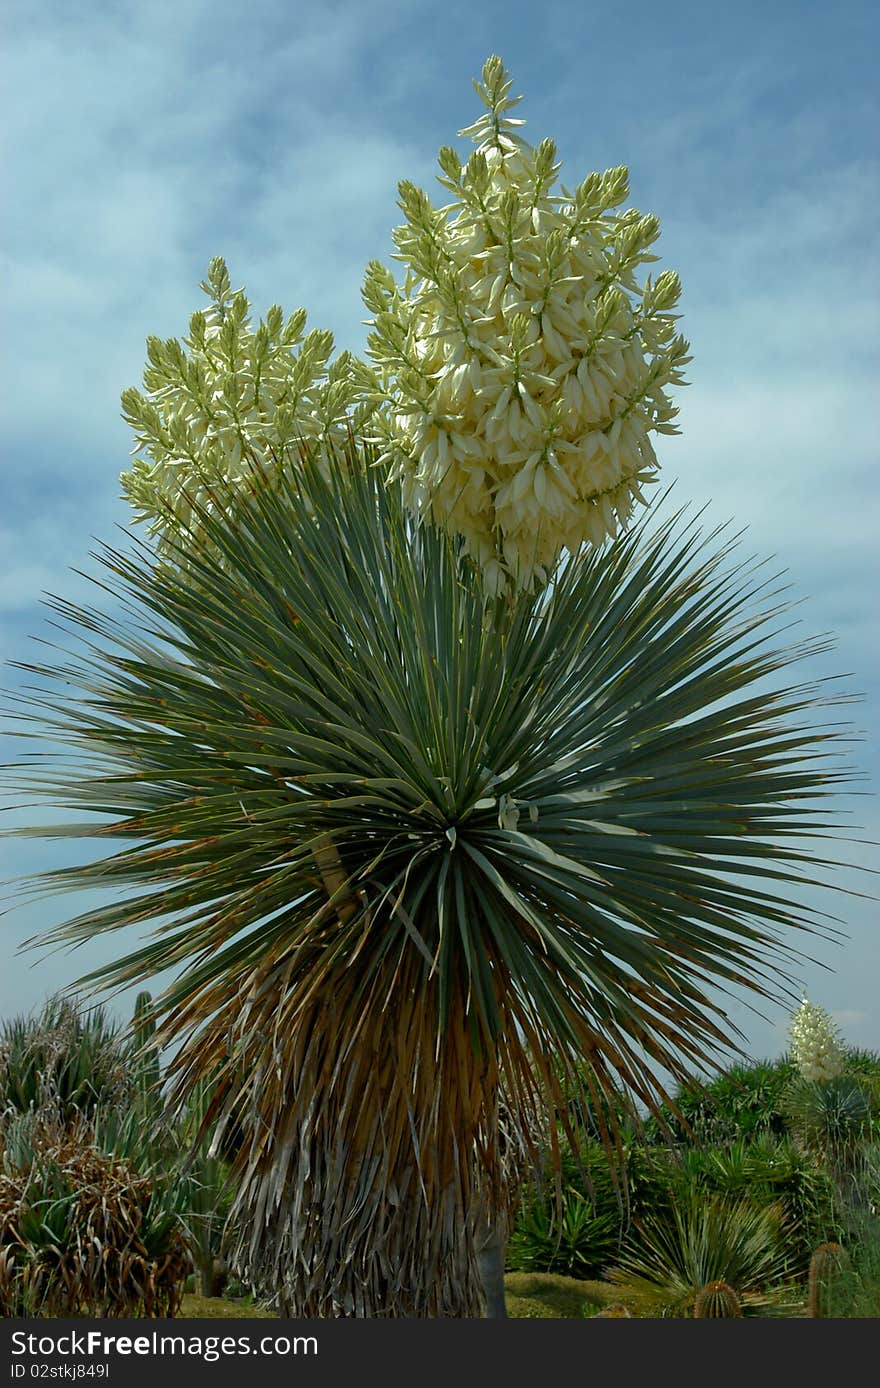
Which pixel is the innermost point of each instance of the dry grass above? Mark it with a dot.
(217, 1307)
(530, 1295)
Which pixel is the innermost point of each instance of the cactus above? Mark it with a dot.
(717, 1300)
(613, 1311)
(146, 1051)
(827, 1263)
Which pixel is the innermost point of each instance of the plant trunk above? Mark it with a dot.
(490, 1243)
(212, 1276)
(365, 1203)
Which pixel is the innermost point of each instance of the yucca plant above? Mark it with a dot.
(833, 1121)
(410, 851)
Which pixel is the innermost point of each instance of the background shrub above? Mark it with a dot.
(81, 1233)
(64, 1058)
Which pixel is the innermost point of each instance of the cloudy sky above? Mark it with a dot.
(141, 139)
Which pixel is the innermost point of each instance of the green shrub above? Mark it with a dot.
(864, 1063)
(766, 1171)
(570, 1237)
(749, 1100)
(743, 1101)
(863, 1292)
(755, 1150)
(600, 1201)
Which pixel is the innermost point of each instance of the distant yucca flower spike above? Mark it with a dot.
(815, 1043)
(525, 364)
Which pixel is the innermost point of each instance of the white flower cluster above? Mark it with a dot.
(815, 1044)
(525, 366)
(228, 394)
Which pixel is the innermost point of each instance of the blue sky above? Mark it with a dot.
(141, 139)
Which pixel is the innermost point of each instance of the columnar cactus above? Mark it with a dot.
(717, 1300)
(147, 1054)
(827, 1263)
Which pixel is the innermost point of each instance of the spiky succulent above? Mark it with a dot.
(671, 1258)
(829, 1264)
(406, 852)
(717, 1301)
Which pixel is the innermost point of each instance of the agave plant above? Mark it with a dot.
(672, 1258)
(833, 1121)
(410, 851)
(65, 1058)
(82, 1232)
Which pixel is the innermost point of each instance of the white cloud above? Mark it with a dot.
(137, 151)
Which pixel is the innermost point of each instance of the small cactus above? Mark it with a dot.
(829, 1260)
(717, 1300)
(613, 1311)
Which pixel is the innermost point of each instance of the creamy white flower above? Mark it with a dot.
(815, 1043)
(523, 364)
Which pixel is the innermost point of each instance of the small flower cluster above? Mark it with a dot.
(228, 395)
(524, 366)
(815, 1044)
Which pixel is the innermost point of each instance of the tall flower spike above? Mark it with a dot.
(229, 394)
(815, 1042)
(524, 365)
